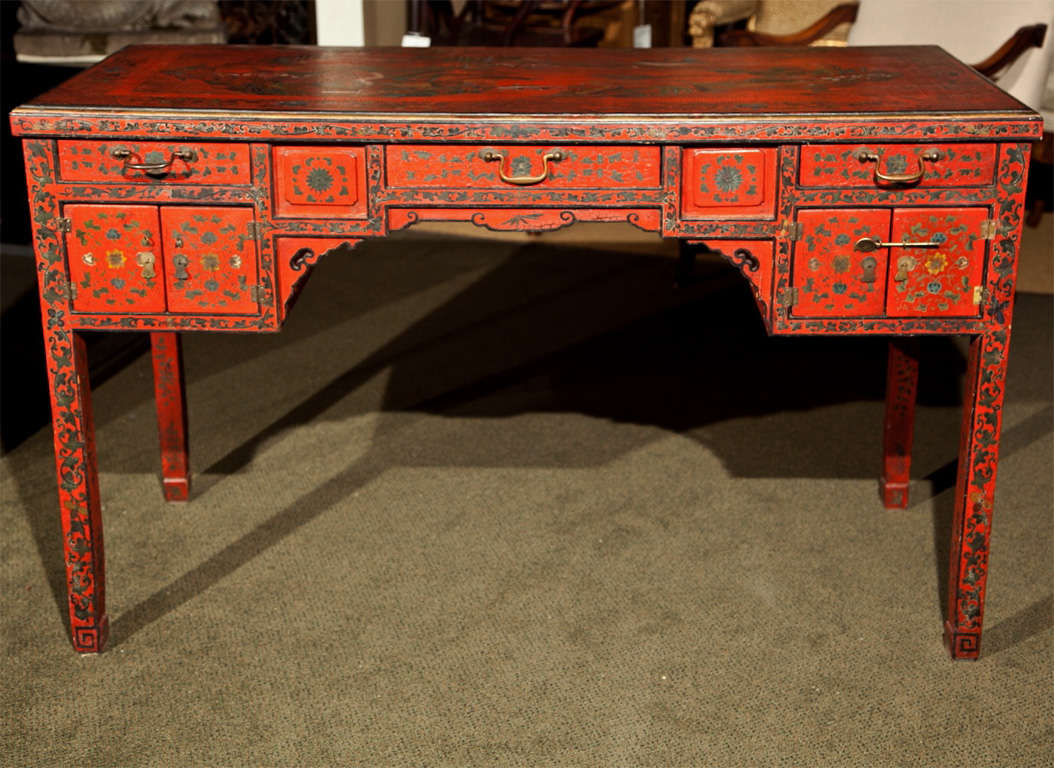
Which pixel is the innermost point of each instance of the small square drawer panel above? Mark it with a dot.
(320, 182)
(897, 166)
(423, 166)
(729, 183)
(154, 162)
(114, 254)
(210, 260)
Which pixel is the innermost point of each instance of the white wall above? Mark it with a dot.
(970, 30)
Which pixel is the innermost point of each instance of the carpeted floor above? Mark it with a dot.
(507, 504)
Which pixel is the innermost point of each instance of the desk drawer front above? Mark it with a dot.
(513, 166)
(320, 182)
(729, 183)
(168, 163)
(873, 165)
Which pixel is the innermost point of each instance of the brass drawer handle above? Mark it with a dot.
(864, 156)
(187, 155)
(555, 156)
(868, 244)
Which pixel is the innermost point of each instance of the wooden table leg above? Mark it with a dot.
(902, 375)
(975, 491)
(170, 399)
(78, 481)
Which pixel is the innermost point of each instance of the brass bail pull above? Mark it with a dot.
(133, 162)
(864, 156)
(554, 156)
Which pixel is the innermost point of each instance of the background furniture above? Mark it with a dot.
(771, 22)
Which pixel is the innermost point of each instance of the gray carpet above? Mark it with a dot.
(506, 505)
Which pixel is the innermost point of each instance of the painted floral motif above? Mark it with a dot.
(831, 277)
(728, 179)
(320, 180)
(101, 245)
(937, 281)
(213, 260)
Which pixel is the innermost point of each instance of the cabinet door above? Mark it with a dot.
(210, 260)
(830, 276)
(941, 279)
(114, 259)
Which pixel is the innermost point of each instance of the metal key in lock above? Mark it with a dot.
(904, 265)
(145, 260)
(181, 263)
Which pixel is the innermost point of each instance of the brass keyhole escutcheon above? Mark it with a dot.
(145, 260)
(181, 262)
(869, 265)
(904, 265)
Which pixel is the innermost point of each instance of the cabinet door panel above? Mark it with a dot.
(937, 280)
(114, 259)
(210, 260)
(831, 277)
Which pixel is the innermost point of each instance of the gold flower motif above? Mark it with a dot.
(115, 259)
(211, 262)
(936, 263)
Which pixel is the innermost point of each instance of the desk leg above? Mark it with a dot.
(974, 492)
(902, 375)
(170, 399)
(78, 481)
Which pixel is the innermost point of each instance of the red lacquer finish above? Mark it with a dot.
(902, 376)
(481, 82)
(170, 400)
(860, 191)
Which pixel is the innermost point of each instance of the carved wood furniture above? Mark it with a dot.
(860, 191)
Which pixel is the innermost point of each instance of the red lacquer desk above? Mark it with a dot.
(860, 191)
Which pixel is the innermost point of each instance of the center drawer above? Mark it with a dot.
(497, 166)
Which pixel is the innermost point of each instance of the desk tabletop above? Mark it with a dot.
(917, 80)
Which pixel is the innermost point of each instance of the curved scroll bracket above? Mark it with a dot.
(753, 259)
(295, 256)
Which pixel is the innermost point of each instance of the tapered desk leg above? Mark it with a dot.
(902, 376)
(170, 399)
(78, 481)
(974, 493)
